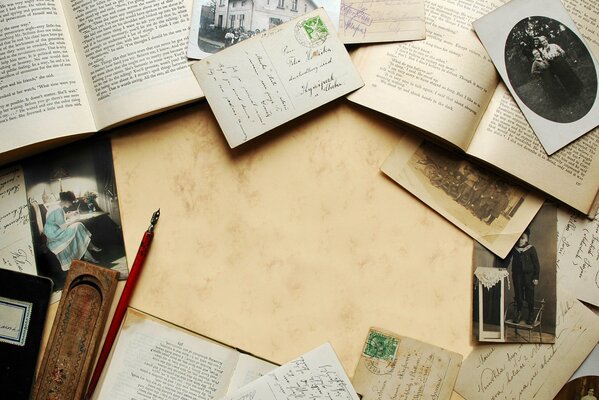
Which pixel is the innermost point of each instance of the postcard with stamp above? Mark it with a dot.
(276, 76)
(398, 367)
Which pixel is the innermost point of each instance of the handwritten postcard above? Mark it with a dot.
(578, 255)
(547, 66)
(491, 210)
(317, 375)
(394, 367)
(532, 371)
(16, 245)
(381, 21)
(276, 76)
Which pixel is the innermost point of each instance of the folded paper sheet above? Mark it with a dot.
(276, 76)
(394, 367)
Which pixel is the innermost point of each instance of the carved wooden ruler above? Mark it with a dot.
(76, 332)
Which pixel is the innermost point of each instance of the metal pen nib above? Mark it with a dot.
(154, 220)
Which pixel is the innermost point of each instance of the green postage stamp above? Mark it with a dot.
(381, 346)
(311, 32)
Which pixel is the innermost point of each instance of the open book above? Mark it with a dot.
(71, 67)
(447, 86)
(155, 359)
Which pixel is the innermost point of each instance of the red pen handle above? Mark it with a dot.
(121, 308)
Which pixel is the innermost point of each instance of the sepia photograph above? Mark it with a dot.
(218, 24)
(515, 297)
(481, 203)
(550, 69)
(74, 211)
(583, 388)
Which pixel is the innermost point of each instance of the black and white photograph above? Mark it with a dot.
(514, 297)
(481, 203)
(218, 24)
(550, 69)
(74, 211)
(547, 66)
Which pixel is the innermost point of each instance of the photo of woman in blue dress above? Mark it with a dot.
(67, 238)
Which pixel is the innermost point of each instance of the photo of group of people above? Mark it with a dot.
(550, 69)
(486, 197)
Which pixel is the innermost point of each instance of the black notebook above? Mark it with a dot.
(24, 302)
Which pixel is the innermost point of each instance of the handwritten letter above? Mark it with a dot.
(381, 21)
(276, 76)
(16, 247)
(578, 255)
(316, 375)
(418, 370)
(531, 371)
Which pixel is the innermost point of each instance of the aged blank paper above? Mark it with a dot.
(317, 375)
(578, 255)
(276, 76)
(532, 371)
(381, 21)
(394, 367)
(16, 246)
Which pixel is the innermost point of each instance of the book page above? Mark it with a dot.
(16, 245)
(248, 369)
(153, 359)
(317, 375)
(505, 140)
(531, 371)
(397, 367)
(276, 76)
(132, 55)
(41, 91)
(442, 84)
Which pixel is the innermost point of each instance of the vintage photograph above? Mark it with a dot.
(217, 24)
(550, 69)
(583, 388)
(481, 203)
(74, 211)
(546, 65)
(515, 297)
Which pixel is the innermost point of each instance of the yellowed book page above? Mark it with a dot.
(480, 203)
(396, 367)
(132, 55)
(154, 359)
(505, 140)
(442, 84)
(381, 21)
(41, 91)
(529, 371)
